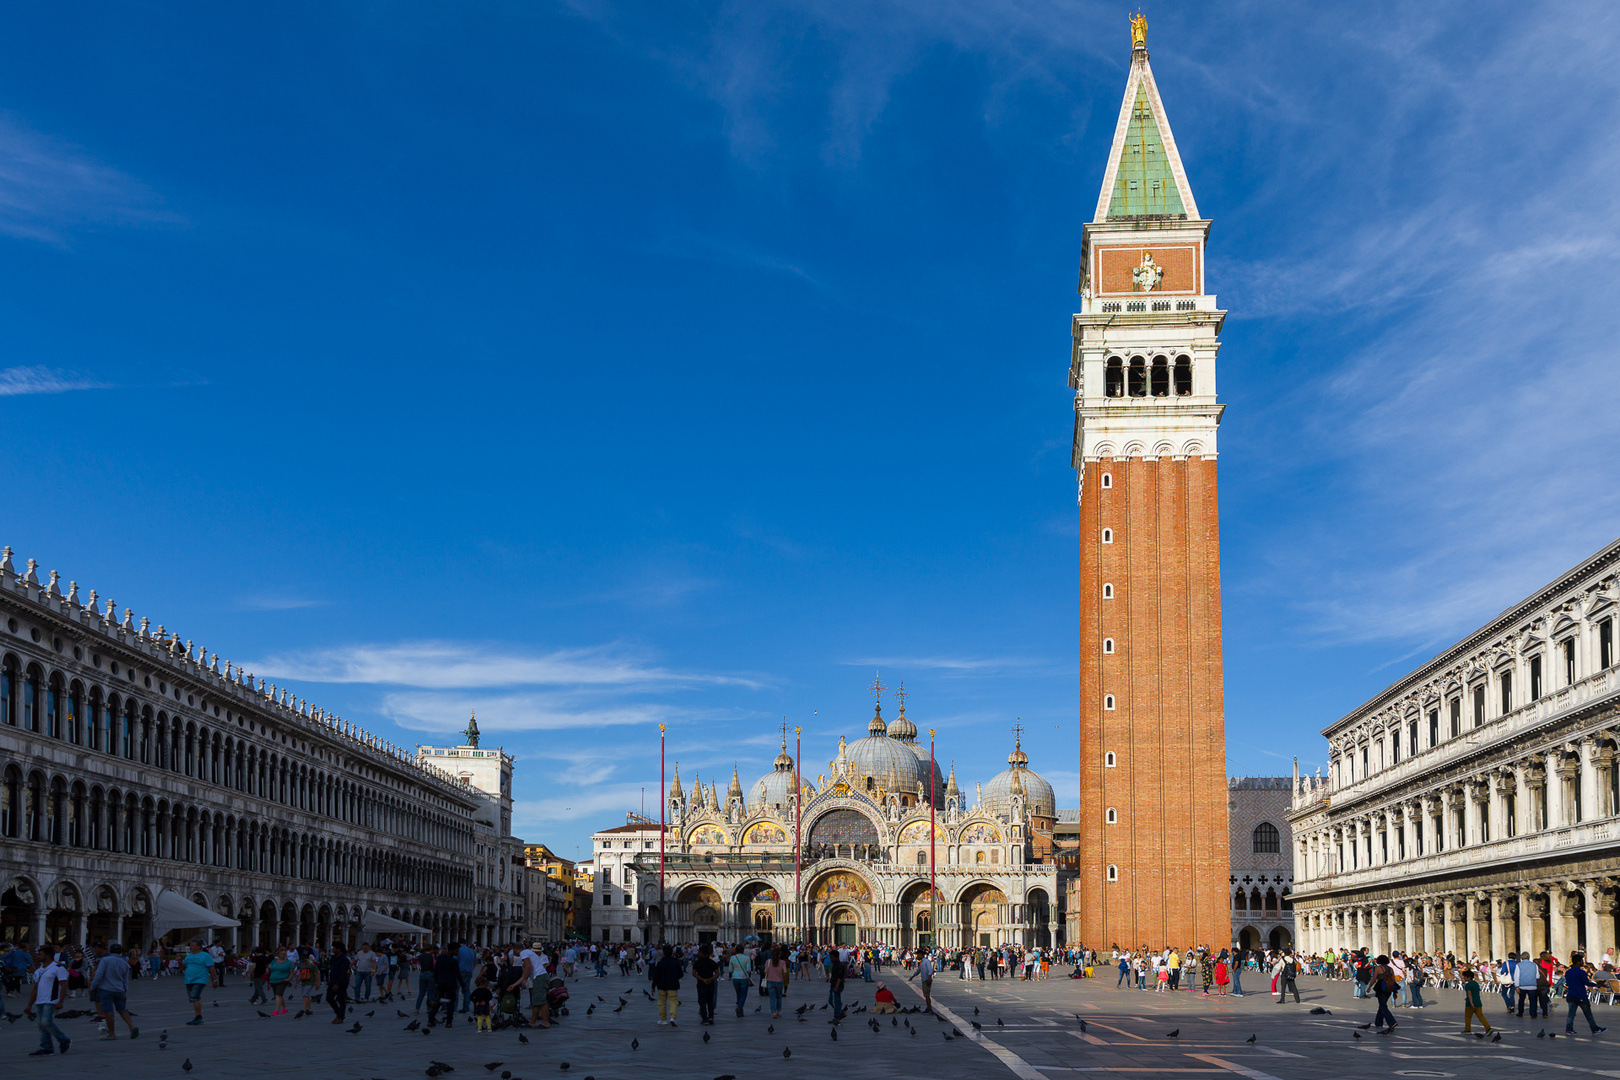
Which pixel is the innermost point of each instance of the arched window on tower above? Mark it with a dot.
(1183, 376)
(1114, 378)
(1139, 378)
(1265, 839)
(1161, 377)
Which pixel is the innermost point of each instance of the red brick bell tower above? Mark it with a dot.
(1153, 867)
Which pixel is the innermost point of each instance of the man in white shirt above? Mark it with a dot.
(536, 981)
(50, 989)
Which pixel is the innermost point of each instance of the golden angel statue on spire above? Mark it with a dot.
(1138, 31)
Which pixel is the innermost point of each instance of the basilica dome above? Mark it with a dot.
(905, 732)
(775, 788)
(1018, 779)
(879, 762)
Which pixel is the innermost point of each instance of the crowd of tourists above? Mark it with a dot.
(527, 986)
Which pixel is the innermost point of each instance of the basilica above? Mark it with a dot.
(848, 856)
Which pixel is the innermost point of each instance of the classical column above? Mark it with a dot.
(1448, 940)
(81, 927)
(39, 920)
(1586, 783)
(1470, 924)
(1559, 939)
(1600, 908)
(118, 929)
(1408, 940)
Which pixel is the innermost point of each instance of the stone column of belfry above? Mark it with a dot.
(1152, 714)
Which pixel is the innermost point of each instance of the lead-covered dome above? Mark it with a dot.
(1019, 779)
(775, 788)
(904, 732)
(878, 762)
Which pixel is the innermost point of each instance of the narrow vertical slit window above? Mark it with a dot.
(1569, 662)
(1108, 536)
(1535, 682)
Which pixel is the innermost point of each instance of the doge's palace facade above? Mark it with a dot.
(1473, 806)
(131, 763)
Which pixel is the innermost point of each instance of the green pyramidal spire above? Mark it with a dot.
(1143, 182)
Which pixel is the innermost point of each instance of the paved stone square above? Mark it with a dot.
(1038, 1038)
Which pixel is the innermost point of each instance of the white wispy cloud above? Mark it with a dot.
(51, 189)
(960, 664)
(278, 603)
(42, 380)
(459, 665)
(516, 711)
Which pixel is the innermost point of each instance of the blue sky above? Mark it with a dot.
(596, 365)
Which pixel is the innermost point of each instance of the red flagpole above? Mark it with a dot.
(661, 831)
(933, 814)
(798, 817)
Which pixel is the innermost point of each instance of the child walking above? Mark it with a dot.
(481, 996)
(1472, 1005)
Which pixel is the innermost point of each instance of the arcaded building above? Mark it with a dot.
(1262, 877)
(134, 764)
(1153, 851)
(1473, 805)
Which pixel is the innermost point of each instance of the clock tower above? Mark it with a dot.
(1153, 868)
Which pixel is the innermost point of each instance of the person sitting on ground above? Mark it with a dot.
(883, 1000)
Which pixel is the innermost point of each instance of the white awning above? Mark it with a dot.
(175, 912)
(375, 922)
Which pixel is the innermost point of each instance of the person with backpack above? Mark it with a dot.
(1287, 970)
(1382, 984)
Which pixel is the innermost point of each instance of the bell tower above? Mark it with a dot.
(1153, 868)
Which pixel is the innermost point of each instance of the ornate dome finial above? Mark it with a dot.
(1018, 759)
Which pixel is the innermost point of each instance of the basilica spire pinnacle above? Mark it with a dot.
(675, 791)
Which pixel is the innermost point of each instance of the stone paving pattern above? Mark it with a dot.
(1038, 1039)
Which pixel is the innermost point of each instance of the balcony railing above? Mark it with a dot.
(1501, 730)
(1573, 839)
